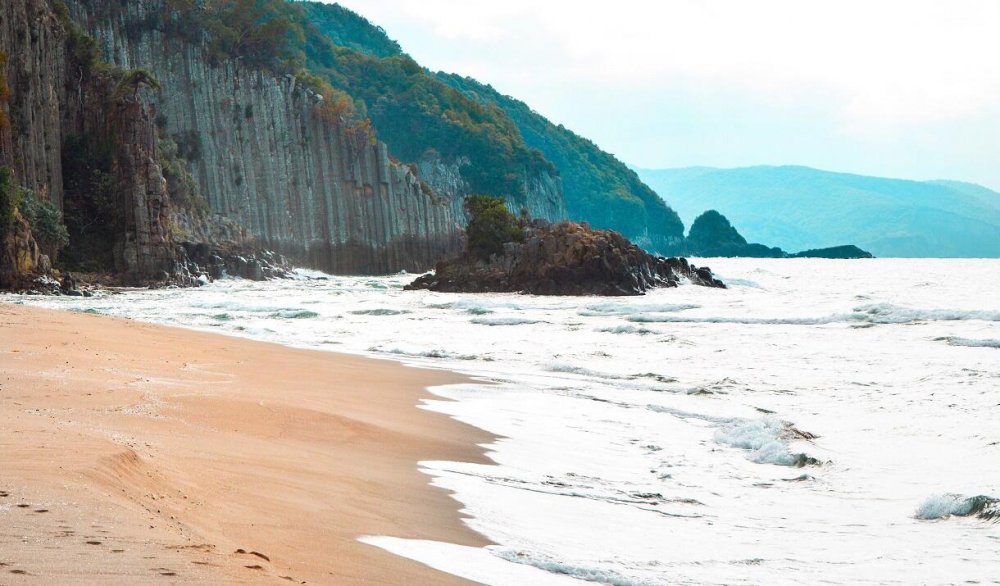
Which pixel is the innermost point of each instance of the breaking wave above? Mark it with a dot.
(505, 321)
(797, 321)
(627, 329)
(885, 313)
(942, 506)
(294, 314)
(879, 313)
(969, 342)
(541, 562)
(379, 311)
(612, 308)
(570, 369)
(766, 439)
(434, 353)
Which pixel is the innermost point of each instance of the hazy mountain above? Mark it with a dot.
(797, 208)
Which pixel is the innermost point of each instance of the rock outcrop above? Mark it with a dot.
(712, 235)
(21, 259)
(565, 259)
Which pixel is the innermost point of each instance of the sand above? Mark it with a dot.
(133, 453)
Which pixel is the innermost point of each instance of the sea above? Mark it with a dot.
(817, 422)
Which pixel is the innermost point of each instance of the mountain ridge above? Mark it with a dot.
(797, 207)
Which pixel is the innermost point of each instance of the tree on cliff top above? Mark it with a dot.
(491, 225)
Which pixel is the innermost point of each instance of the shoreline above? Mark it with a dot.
(145, 451)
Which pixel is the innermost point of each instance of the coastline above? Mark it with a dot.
(150, 452)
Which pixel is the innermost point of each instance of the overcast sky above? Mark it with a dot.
(901, 88)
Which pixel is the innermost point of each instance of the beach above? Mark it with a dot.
(785, 430)
(132, 453)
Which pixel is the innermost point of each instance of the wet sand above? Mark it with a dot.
(133, 453)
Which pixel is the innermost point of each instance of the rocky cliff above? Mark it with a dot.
(55, 94)
(32, 40)
(316, 190)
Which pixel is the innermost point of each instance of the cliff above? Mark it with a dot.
(422, 118)
(263, 154)
(32, 41)
(52, 94)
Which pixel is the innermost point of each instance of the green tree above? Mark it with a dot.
(491, 225)
(46, 224)
(10, 199)
(133, 81)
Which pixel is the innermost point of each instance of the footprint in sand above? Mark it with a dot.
(164, 571)
(256, 553)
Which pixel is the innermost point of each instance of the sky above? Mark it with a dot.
(896, 88)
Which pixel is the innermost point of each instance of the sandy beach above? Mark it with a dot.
(133, 453)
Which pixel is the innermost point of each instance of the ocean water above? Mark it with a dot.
(818, 422)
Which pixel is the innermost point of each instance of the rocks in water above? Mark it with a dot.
(565, 259)
(201, 263)
(849, 251)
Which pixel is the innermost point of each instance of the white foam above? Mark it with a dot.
(762, 438)
(472, 563)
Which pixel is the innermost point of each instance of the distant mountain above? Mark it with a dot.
(798, 208)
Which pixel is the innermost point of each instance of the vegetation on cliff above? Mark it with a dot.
(412, 111)
(348, 29)
(599, 189)
(10, 198)
(90, 203)
(491, 226)
(46, 222)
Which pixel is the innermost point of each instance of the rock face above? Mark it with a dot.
(565, 259)
(20, 257)
(264, 157)
(51, 98)
(33, 42)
